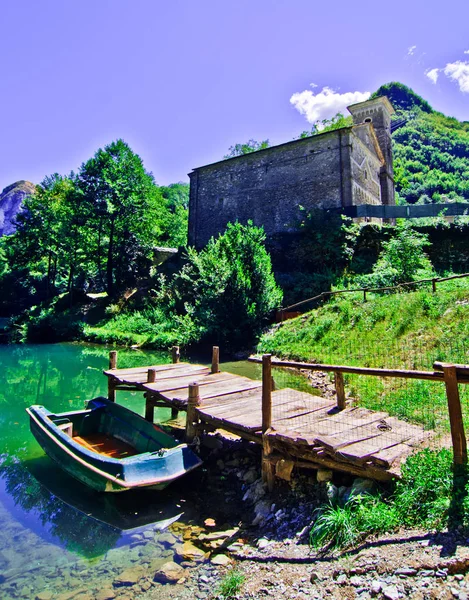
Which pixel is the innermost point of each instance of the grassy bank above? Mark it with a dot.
(407, 330)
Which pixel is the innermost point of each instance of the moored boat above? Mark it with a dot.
(111, 448)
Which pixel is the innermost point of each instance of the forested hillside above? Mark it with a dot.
(431, 150)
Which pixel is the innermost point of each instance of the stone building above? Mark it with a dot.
(331, 170)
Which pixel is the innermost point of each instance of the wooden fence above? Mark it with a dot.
(288, 313)
(450, 374)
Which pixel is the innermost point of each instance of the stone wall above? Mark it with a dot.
(270, 186)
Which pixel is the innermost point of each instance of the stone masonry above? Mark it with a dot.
(331, 170)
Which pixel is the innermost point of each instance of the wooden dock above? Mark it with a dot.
(295, 428)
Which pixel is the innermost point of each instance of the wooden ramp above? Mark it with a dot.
(306, 428)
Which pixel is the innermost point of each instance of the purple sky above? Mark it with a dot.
(182, 80)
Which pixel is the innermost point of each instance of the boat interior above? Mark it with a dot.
(112, 430)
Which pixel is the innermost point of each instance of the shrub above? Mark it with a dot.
(402, 259)
(228, 288)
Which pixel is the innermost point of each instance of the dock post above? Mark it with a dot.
(176, 356)
(149, 408)
(111, 384)
(268, 475)
(455, 414)
(215, 359)
(192, 419)
(113, 359)
(340, 389)
(151, 376)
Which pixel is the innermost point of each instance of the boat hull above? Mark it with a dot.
(152, 470)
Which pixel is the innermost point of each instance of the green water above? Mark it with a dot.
(56, 534)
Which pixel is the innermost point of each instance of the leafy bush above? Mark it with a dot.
(228, 288)
(402, 260)
(432, 493)
(49, 327)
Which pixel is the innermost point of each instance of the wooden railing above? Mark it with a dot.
(448, 373)
(282, 313)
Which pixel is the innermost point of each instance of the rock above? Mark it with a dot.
(218, 535)
(332, 491)
(324, 475)
(361, 486)
(209, 523)
(284, 468)
(105, 594)
(11, 204)
(314, 576)
(188, 551)
(212, 442)
(390, 592)
(255, 492)
(46, 595)
(167, 539)
(356, 581)
(443, 573)
(407, 571)
(263, 543)
(169, 572)
(129, 576)
(250, 476)
(376, 587)
(342, 579)
(221, 560)
(262, 511)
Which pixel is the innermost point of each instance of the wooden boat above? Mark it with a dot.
(111, 448)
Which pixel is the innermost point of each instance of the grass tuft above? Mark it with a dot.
(231, 584)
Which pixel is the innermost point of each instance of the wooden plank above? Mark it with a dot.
(165, 374)
(133, 370)
(176, 383)
(363, 449)
(210, 391)
(387, 457)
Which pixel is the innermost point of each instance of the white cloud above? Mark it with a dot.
(411, 50)
(459, 72)
(466, 51)
(432, 74)
(313, 85)
(325, 104)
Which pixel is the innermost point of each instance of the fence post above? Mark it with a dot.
(455, 414)
(215, 359)
(175, 354)
(268, 475)
(340, 389)
(192, 419)
(434, 285)
(364, 294)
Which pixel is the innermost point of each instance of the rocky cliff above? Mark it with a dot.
(11, 203)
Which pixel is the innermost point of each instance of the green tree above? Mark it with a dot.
(126, 211)
(338, 121)
(247, 148)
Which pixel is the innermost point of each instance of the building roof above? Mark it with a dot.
(266, 150)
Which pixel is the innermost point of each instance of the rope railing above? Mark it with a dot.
(365, 291)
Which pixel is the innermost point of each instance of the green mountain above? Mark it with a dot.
(431, 150)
